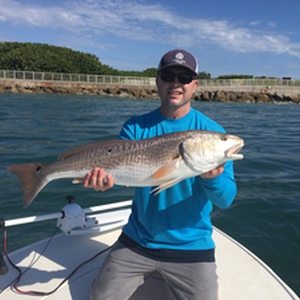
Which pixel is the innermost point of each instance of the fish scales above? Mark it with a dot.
(132, 154)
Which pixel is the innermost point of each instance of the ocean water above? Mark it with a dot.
(265, 216)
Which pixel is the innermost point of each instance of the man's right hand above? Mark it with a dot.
(98, 180)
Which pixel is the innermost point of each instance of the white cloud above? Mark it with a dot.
(271, 24)
(144, 22)
(255, 23)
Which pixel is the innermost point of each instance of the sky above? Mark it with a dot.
(257, 37)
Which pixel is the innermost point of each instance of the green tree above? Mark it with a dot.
(235, 76)
(204, 75)
(47, 58)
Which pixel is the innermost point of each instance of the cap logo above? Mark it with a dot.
(179, 58)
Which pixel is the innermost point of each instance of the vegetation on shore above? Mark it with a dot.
(47, 58)
(39, 57)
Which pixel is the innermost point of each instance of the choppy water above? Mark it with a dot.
(265, 216)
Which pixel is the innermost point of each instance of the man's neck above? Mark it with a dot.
(175, 113)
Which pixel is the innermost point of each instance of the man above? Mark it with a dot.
(170, 232)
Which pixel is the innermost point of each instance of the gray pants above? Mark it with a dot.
(124, 271)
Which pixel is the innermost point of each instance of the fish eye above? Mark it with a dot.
(224, 137)
(38, 168)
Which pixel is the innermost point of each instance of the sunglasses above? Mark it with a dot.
(184, 78)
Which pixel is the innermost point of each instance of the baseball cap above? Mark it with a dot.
(180, 58)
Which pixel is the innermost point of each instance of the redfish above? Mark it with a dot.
(162, 161)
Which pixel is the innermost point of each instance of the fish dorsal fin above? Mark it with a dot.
(110, 146)
(167, 170)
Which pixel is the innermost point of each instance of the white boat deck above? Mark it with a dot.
(241, 274)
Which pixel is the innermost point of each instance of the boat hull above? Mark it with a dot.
(241, 274)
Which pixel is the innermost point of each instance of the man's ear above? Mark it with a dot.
(196, 82)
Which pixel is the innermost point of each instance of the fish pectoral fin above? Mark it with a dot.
(165, 186)
(77, 180)
(167, 170)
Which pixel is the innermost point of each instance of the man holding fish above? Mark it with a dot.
(180, 162)
(169, 232)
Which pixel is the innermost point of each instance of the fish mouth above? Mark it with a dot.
(233, 152)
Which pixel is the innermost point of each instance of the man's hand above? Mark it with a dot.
(98, 180)
(213, 173)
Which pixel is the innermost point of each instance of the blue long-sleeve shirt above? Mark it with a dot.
(179, 217)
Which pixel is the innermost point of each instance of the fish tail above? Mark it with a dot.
(31, 180)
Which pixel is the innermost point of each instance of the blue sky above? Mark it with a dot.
(258, 37)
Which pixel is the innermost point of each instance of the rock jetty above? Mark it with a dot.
(252, 94)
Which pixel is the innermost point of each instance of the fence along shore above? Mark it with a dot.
(256, 90)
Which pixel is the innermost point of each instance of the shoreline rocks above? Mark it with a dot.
(244, 96)
(251, 94)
